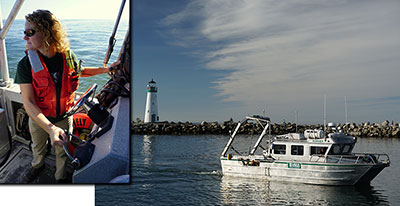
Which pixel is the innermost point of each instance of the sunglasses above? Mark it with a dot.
(29, 32)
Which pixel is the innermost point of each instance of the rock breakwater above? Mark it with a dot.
(384, 129)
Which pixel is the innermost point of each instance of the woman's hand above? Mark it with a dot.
(113, 66)
(55, 134)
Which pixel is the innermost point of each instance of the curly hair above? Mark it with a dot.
(51, 29)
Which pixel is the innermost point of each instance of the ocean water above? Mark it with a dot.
(185, 170)
(88, 40)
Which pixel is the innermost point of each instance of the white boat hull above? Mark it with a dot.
(295, 171)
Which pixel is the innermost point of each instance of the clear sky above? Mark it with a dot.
(213, 60)
(70, 9)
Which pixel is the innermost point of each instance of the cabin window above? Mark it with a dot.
(337, 149)
(346, 149)
(279, 149)
(318, 150)
(297, 150)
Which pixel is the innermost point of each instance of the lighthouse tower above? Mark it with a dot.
(151, 112)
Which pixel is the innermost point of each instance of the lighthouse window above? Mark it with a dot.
(297, 150)
(279, 149)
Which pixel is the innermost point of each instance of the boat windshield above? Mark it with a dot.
(337, 149)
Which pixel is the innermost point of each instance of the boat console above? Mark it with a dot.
(111, 155)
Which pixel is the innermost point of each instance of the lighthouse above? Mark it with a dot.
(151, 112)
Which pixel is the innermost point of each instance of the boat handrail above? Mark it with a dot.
(380, 157)
(13, 13)
(5, 82)
(355, 158)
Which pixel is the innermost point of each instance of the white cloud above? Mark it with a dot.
(288, 53)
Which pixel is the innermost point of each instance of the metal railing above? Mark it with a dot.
(355, 158)
(3, 54)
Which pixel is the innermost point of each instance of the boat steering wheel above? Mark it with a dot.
(82, 100)
(85, 152)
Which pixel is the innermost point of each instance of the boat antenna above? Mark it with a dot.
(324, 112)
(112, 39)
(296, 117)
(345, 109)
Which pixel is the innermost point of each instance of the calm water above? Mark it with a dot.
(185, 170)
(88, 40)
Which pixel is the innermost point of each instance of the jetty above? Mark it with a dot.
(385, 129)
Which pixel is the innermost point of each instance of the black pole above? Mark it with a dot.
(112, 40)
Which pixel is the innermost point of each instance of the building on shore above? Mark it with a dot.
(151, 112)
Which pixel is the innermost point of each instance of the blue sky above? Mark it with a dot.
(214, 60)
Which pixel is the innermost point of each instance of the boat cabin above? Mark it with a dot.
(295, 146)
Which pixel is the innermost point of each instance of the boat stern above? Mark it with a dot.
(243, 166)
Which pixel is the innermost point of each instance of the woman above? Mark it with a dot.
(48, 77)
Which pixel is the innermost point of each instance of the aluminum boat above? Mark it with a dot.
(105, 162)
(312, 157)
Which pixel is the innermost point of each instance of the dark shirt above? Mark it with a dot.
(54, 65)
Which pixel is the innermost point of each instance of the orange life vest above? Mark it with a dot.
(45, 89)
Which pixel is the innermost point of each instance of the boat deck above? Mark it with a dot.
(18, 165)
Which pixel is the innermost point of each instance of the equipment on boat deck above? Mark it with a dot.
(119, 84)
(82, 125)
(82, 100)
(95, 111)
(84, 150)
(5, 138)
(21, 125)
